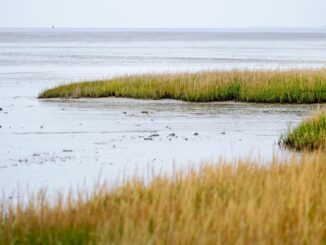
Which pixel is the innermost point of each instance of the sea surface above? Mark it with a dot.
(61, 144)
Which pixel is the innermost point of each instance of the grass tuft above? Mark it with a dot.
(309, 135)
(293, 86)
(247, 203)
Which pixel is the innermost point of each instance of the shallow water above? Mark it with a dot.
(63, 143)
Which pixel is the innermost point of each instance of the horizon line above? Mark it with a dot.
(169, 29)
(152, 28)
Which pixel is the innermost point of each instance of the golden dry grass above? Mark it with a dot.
(283, 202)
(291, 86)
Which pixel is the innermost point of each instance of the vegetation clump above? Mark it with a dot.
(309, 135)
(293, 86)
(282, 202)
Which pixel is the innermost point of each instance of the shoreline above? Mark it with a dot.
(176, 101)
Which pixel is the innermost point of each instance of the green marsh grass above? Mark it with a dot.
(282, 202)
(291, 86)
(309, 135)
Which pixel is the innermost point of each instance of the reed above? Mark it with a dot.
(291, 86)
(282, 202)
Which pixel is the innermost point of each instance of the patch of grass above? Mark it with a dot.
(309, 135)
(293, 86)
(247, 203)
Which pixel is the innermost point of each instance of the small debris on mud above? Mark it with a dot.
(100, 143)
(1, 109)
(196, 134)
(172, 135)
(154, 135)
(124, 112)
(223, 132)
(66, 150)
(148, 138)
(144, 112)
(36, 155)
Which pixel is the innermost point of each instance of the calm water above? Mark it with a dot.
(61, 143)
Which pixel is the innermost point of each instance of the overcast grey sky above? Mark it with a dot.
(163, 13)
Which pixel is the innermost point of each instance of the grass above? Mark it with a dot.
(283, 202)
(309, 135)
(293, 86)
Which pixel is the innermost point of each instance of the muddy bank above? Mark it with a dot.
(59, 143)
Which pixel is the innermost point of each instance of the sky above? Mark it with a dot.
(162, 13)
